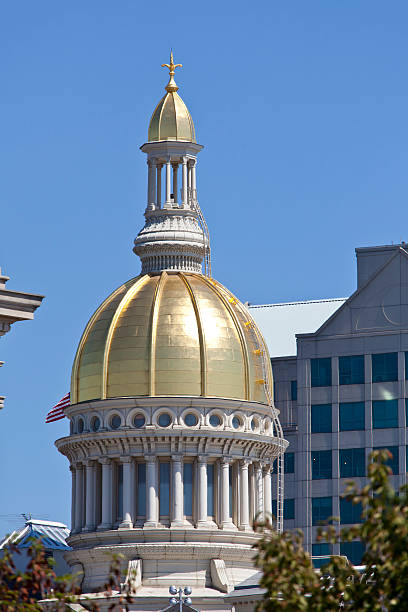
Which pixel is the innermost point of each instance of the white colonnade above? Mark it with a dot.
(126, 492)
(172, 197)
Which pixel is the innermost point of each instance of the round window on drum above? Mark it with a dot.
(190, 419)
(139, 420)
(116, 421)
(80, 425)
(95, 423)
(164, 419)
(215, 420)
(236, 422)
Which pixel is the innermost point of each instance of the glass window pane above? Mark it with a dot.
(352, 416)
(293, 390)
(350, 513)
(384, 367)
(352, 462)
(289, 509)
(141, 489)
(323, 549)
(354, 551)
(393, 463)
(164, 489)
(385, 414)
(351, 370)
(274, 507)
(321, 464)
(406, 366)
(188, 488)
(210, 489)
(322, 509)
(289, 463)
(120, 493)
(321, 418)
(321, 372)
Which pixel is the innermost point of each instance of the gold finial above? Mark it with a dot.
(171, 85)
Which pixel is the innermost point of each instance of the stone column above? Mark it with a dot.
(267, 492)
(244, 499)
(151, 492)
(106, 519)
(159, 188)
(175, 186)
(193, 179)
(127, 516)
(79, 497)
(168, 202)
(73, 494)
(184, 183)
(151, 184)
(177, 474)
(202, 519)
(226, 522)
(259, 508)
(90, 499)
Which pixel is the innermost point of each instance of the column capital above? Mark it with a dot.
(78, 465)
(105, 460)
(245, 463)
(177, 457)
(202, 458)
(266, 468)
(226, 461)
(125, 459)
(89, 463)
(150, 458)
(191, 162)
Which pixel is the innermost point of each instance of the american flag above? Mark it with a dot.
(57, 412)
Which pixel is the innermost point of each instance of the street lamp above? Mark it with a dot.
(180, 591)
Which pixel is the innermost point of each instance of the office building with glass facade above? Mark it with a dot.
(342, 392)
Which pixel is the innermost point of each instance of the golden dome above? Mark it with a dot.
(171, 119)
(173, 334)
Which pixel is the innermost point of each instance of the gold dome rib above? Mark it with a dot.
(153, 332)
(75, 368)
(203, 355)
(122, 305)
(244, 347)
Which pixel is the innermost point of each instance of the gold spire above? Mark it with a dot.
(171, 85)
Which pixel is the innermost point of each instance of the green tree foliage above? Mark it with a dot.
(292, 583)
(22, 591)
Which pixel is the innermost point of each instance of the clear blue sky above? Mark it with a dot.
(302, 109)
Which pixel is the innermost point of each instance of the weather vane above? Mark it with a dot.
(172, 66)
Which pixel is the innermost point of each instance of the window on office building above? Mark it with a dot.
(321, 418)
(406, 413)
(384, 367)
(289, 463)
(350, 513)
(321, 464)
(351, 370)
(352, 416)
(354, 551)
(385, 414)
(393, 462)
(321, 375)
(323, 549)
(406, 366)
(352, 462)
(289, 509)
(293, 390)
(322, 509)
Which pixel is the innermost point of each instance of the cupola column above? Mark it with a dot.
(226, 522)
(128, 481)
(90, 496)
(202, 518)
(178, 511)
(193, 180)
(106, 520)
(168, 203)
(79, 497)
(151, 492)
(259, 500)
(175, 186)
(244, 497)
(184, 183)
(267, 492)
(151, 184)
(159, 185)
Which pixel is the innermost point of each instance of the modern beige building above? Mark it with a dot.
(173, 425)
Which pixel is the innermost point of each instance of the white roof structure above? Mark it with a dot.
(280, 323)
(52, 535)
